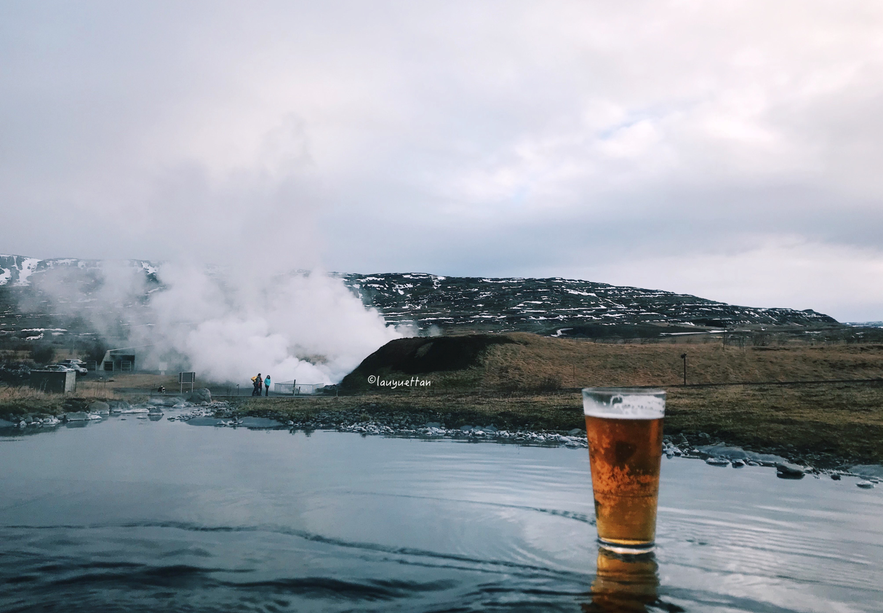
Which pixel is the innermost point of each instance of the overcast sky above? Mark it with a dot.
(731, 150)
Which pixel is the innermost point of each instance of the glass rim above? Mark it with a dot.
(624, 390)
(624, 402)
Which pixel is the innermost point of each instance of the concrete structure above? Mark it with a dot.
(122, 359)
(59, 382)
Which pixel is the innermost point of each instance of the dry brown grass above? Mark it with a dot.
(553, 411)
(25, 395)
(842, 420)
(839, 419)
(22, 400)
(833, 422)
(583, 363)
(133, 381)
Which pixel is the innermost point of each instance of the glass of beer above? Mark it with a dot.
(624, 428)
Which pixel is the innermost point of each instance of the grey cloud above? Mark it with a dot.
(501, 138)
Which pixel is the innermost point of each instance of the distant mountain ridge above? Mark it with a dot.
(554, 306)
(549, 306)
(16, 270)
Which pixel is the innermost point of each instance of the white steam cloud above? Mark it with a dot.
(253, 220)
(306, 326)
(226, 324)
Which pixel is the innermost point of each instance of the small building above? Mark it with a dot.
(58, 382)
(122, 359)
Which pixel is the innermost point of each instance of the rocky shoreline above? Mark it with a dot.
(371, 420)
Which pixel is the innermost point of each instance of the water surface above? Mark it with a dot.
(136, 515)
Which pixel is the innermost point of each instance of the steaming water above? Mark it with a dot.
(134, 515)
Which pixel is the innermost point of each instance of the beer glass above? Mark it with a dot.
(624, 428)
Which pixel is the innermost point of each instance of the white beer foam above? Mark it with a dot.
(625, 405)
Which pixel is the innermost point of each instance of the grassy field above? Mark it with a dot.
(531, 360)
(18, 401)
(531, 382)
(737, 395)
(821, 424)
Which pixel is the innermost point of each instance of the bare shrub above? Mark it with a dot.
(549, 383)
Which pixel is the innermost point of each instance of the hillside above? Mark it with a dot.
(551, 306)
(815, 404)
(33, 324)
(521, 362)
(557, 307)
(23, 271)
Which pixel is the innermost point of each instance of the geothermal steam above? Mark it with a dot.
(226, 325)
(308, 327)
(257, 222)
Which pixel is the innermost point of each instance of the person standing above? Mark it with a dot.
(256, 382)
(267, 385)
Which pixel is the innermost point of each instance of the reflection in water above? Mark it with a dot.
(130, 514)
(624, 583)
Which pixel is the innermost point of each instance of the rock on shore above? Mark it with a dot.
(737, 453)
(200, 396)
(370, 420)
(868, 471)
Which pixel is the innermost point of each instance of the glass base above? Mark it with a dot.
(627, 548)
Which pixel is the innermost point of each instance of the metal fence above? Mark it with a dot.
(297, 389)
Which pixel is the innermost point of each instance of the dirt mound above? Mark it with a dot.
(423, 355)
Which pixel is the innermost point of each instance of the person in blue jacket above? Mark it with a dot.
(267, 385)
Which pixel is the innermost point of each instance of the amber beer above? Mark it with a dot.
(624, 428)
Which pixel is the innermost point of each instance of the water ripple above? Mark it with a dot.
(485, 565)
